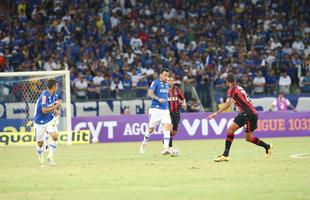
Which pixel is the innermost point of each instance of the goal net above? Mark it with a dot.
(19, 92)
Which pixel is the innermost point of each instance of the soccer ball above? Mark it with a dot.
(174, 152)
(94, 140)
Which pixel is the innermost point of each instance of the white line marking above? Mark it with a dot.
(300, 155)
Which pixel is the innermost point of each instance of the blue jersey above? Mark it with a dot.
(58, 95)
(45, 100)
(161, 90)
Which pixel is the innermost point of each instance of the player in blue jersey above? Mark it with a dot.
(159, 111)
(44, 122)
(57, 114)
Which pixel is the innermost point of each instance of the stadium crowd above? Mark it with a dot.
(116, 48)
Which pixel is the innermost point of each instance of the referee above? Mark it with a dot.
(176, 99)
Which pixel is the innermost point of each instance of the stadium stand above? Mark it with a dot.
(118, 47)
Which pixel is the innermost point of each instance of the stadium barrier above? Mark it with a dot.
(18, 110)
(28, 137)
(192, 126)
(123, 128)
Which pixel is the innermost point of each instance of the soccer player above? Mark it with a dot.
(247, 118)
(44, 122)
(159, 111)
(176, 99)
(57, 113)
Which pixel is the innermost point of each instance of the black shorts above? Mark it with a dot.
(249, 121)
(175, 120)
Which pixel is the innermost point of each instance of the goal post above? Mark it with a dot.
(24, 88)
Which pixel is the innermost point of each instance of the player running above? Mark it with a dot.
(44, 122)
(159, 111)
(176, 99)
(247, 118)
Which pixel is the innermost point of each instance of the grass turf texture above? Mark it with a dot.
(118, 171)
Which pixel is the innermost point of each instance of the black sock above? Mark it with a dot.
(170, 142)
(259, 142)
(229, 139)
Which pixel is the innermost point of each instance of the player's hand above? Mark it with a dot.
(56, 112)
(161, 100)
(183, 105)
(213, 115)
(58, 104)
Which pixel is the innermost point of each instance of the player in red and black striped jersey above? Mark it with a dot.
(176, 100)
(247, 118)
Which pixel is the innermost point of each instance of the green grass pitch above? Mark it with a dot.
(119, 172)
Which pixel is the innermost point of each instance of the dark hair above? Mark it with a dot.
(164, 70)
(230, 78)
(51, 83)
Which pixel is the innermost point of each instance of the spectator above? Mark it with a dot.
(271, 82)
(189, 82)
(259, 83)
(281, 104)
(220, 86)
(81, 86)
(284, 83)
(93, 91)
(116, 87)
(246, 83)
(142, 87)
(127, 85)
(98, 79)
(50, 65)
(305, 83)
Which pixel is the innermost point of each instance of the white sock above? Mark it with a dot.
(40, 150)
(166, 139)
(52, 147)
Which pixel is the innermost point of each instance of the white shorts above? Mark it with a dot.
(42, 129)
(158, 116)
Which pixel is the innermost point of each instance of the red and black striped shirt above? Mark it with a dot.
(241, 98)
(175, 98)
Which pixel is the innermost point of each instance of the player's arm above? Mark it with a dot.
(153, 96)
(181, 96)
(46, 109)
(228, 103)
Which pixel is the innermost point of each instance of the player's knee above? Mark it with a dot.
(248, 137)
(54, 136)
(230, 131)
(151, 130)
(40, 143)
(167, 127)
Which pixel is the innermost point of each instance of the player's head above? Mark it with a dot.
(230, 80)
(52, 85)
(171, 81)
(164, 75)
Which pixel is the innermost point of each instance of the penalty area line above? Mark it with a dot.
(300, 155)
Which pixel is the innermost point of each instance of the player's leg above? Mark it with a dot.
(251, 125)
(45, 145)
(175, 119)
(52, 130)
(153, 121)
(39, 134)
(52, 148)
(237, 123)
(167, 127)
